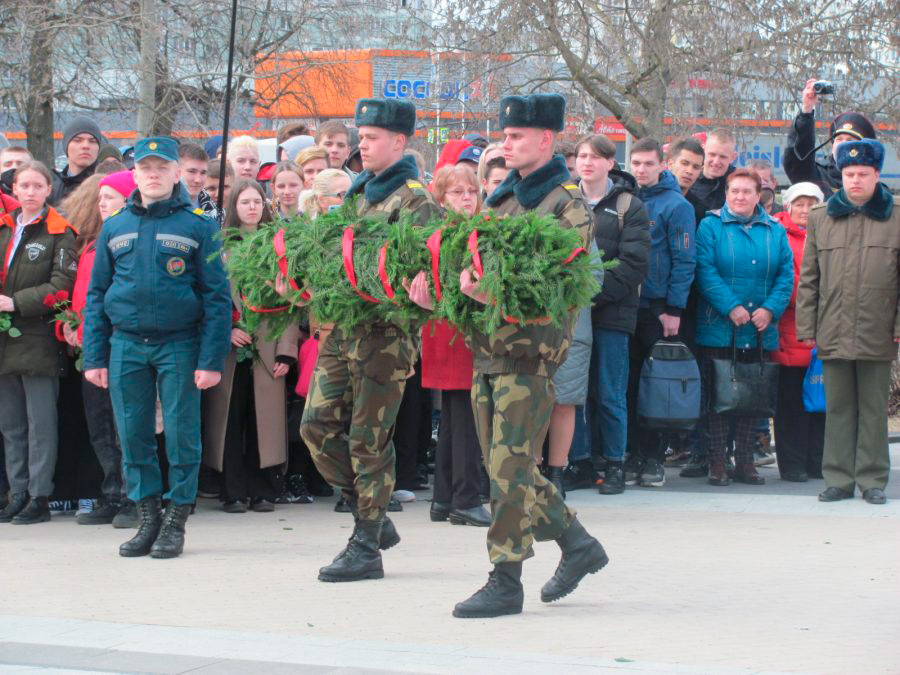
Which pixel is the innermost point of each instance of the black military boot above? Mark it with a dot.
(17, 502)
(581, 555)
(149, 521)
(389, 535)
(170, 541)
(555, 476)
(360, 559)
(37, 511)
(501, 595)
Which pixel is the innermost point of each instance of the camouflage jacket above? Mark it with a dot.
(533, 349)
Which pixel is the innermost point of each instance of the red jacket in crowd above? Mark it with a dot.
(792, 352)
(445, 366)
(7, 204)
(82, 281)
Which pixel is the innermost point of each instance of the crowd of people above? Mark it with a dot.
(125, 361)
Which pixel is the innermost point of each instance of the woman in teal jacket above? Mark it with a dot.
(745, 275)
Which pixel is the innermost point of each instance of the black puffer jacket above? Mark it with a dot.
(616, 306)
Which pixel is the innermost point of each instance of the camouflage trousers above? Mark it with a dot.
(512, 414)
(348, 422)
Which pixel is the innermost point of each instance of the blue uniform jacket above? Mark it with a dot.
(156, 279)
(747, 264)
(670, 264)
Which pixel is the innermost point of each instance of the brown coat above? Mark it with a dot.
(269, 398)
(847, 300)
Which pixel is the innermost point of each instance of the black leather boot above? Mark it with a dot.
(501, 595)
(555, 475)
(37, 511)
(170, 541)
(389, 535)
(17, 502)
(581, 555)
(149, 521)
(360, 559)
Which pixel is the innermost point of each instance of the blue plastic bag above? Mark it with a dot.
(814, 386)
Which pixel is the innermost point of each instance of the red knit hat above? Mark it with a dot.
(120, 181)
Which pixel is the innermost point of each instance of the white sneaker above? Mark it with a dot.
(84, 506)
(404, 496)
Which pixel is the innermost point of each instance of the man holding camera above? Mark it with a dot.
(800, 158)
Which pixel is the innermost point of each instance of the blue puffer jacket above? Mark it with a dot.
(153, 281)
(741, 263)
(670, 270)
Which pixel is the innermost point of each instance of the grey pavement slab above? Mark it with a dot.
(701, 580)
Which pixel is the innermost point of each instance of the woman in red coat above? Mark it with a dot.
(799, 435)
(447, 366)
(97, 198)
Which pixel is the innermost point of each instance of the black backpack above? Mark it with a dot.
(669, 391)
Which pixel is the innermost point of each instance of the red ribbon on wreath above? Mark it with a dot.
(281, 251)
(263, 310)
(434, 247)
(382, 272)
(347, 253)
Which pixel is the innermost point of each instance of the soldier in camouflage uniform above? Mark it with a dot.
(512, 391)
(360, 374)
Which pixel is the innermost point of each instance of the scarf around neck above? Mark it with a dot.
(532, 189)
(378, 188)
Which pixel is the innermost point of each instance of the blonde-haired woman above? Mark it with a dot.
(328, 190)
(312, 161)
(491, 151)
(286, 185)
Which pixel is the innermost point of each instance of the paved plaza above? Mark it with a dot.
(701, 580)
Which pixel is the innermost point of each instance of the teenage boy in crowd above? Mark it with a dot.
(194, 165)
(664, 296)
(81, 141)
(334, 137)
(158, 319)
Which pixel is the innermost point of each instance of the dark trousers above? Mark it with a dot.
(241, 475)
(102, 431)
(799, 435)
(457, 464)
(4, 483)
(412, 431)
(720, 430)
(647, 443)
(856, 435)
(78, 474)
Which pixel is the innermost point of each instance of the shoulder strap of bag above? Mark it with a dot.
(623, 203)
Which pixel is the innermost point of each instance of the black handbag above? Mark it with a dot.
(744, 389)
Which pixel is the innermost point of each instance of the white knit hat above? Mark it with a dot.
(804, 189)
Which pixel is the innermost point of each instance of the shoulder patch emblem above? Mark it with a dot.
(199, 211)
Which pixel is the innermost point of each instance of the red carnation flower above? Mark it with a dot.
(49, 300)
(235, 315)
(62, 296)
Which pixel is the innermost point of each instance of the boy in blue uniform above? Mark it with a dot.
(158, 319)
